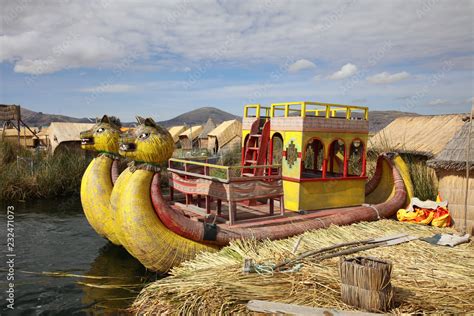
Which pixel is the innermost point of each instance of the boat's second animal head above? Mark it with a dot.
(103, 136)
(148, 143)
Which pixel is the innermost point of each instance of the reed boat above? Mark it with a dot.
(303, 167)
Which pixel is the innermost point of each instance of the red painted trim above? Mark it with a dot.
(284, 154)
(322, 179)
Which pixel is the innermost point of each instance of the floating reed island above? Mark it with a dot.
(425, 278)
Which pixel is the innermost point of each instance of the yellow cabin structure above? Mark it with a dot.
(321, 148)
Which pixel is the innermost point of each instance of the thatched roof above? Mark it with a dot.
(194, 131)
(59, 132)
(226, 131)
(209, 126)
(453, 156)
(421, 135)
(175, 131)
(13, 132)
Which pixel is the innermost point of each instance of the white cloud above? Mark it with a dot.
(385, 77)
(301, 64)
(437, 102)
(110, 88)
(346, 71)
(90, 33)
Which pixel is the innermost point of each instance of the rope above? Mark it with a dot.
(375, 209)
(324, 225)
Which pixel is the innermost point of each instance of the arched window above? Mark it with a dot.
(277, 149)
(336, 159)
(356, 164)
(313, 159)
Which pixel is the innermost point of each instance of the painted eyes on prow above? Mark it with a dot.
(101, 130)
(144, 136)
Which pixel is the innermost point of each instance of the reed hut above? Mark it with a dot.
(225, 137)
(63, 135)
(175, 131)
(26, 136)
(189, 138)
(450, 166)
(421, 136)
(203, 137)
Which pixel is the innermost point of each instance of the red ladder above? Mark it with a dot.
(255, 151)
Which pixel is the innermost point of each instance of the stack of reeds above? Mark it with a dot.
(425, 278)
(365, 283)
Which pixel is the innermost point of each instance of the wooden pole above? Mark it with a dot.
(468, 167)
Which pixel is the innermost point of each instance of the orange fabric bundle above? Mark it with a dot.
(438, 218)
(441, 218)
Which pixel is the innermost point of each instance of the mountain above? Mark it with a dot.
(33, 118)
(200, 116)
(379, 119)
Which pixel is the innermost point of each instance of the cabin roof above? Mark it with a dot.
(209, 126)
(454, 154)
(226, 131)
(175, 131)
(194, 131)
(59, 132)
(420, 135)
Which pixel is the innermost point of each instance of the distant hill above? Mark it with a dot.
(37, 119)
(200, 116)
(378, 119)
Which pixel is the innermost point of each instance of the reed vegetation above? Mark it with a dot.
(426, 279)
(26, 174)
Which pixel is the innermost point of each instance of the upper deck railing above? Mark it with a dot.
(308, 109)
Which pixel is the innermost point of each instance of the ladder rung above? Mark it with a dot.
(246, 174)
(256, 135)
(253, 148)
(251, 161)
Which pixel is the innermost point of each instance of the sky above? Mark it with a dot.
(163, 58)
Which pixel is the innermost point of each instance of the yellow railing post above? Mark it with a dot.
(328, 111)
(303, 109)
(287, 110)
(257, 111)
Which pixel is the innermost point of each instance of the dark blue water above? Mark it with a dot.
(54, 237)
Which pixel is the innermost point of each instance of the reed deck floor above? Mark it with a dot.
(251, 216)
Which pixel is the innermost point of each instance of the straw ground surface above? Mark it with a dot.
(426, 278)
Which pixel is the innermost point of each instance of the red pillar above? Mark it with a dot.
(325, 167)
(346, 162)
(364, 163)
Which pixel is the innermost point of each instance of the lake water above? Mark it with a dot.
(54, 242)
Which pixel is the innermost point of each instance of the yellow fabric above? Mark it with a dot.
(441, 218)
(96, 188)
(141, 231)
(438, 218)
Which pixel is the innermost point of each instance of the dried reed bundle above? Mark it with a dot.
(365, 283)
(425, 278)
